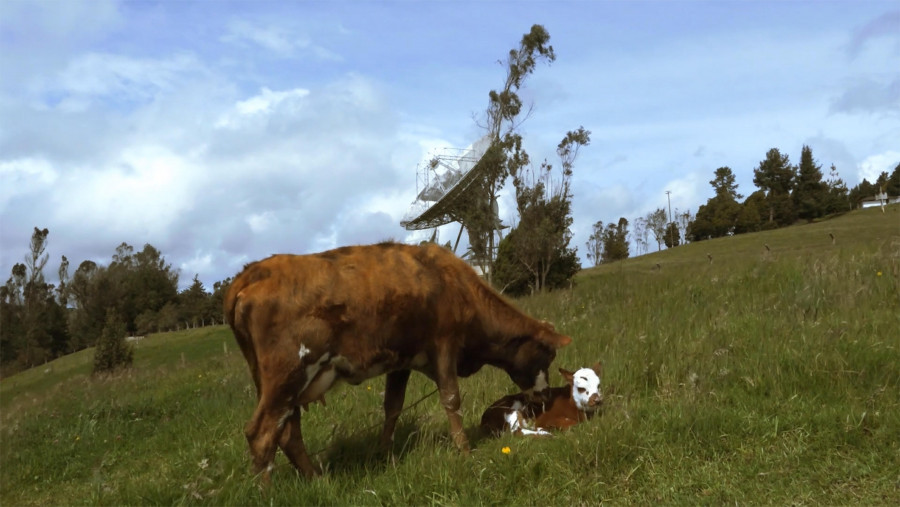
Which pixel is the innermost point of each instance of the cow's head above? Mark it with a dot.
(585, 387)
(532, 357)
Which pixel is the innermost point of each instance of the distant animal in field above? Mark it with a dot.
(565, 407)
(304, 322)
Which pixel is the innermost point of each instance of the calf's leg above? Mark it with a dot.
(394, 395)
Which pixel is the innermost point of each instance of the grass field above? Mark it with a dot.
(764, 376)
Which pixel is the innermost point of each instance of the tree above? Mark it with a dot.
(656, 223)
(750, 217)
(510, 277)
(35, 347)
(594, 245)
(12, 309)
(545, 212)
(90, 296)
(893, 184)
(715, 219)
(775, 176)
(724, 183)
(683, 219)
(153, 280)
(838, 200)
(62, 290)
(639, 233)
(217, 301)
(112, 351)
(861, 192)
(615, 241)
(673, 235)
(194, 302)
(506, 155)
(810, 194)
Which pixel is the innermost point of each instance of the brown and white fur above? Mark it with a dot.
(566, 406)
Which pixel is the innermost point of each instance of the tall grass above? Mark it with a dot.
(764, 376)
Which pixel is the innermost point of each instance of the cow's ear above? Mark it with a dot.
(552, 339)
(562, 341)
(568, 376)
(598, 369)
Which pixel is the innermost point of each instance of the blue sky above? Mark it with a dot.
(222, 132)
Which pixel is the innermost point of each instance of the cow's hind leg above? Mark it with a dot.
(394, 395)
(292, 445)
(263, 433)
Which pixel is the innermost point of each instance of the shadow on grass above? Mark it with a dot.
(361, 453)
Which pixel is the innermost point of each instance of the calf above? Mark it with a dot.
(564, 407)
(304, 322)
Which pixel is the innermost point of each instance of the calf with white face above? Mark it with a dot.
(585, 388)
(564, 407)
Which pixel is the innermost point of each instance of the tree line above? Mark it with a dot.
(785, 194)
(136, 292)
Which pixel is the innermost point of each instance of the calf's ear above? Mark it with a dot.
(598, 369)
(567, 375)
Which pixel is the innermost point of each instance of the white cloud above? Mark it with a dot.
(872, 166)
(23, 176)
(144, 189)
(279, 40)
(113, 80)
(266, 102)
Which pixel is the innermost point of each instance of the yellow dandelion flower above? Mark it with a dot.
(878, 274)
(506, 450)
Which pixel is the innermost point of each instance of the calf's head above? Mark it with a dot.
(585, 387)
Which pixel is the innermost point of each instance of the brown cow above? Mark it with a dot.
(305, 321)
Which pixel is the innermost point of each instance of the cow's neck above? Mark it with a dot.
(499, 319)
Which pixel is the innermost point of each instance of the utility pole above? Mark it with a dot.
(669, 226)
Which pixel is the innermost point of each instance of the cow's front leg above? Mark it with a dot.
(449, 388)
(394, 395)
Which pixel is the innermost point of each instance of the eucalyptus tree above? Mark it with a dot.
(506, 156)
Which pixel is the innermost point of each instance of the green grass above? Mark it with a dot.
(764, 376)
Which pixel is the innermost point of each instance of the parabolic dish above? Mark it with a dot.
(434, 205)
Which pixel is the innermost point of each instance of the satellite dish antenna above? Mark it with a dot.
(446, 178)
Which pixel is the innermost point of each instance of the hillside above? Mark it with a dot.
(761, 376)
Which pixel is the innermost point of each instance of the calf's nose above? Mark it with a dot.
(595, 400)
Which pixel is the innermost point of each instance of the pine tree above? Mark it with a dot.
(775, 176)
(810, 194)
(838, 194)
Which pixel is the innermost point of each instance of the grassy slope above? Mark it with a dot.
(762, 377)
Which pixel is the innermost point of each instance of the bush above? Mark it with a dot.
(112, 351)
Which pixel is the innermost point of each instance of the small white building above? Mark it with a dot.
(881, 199)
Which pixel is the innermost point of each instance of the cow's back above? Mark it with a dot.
(365, 301)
